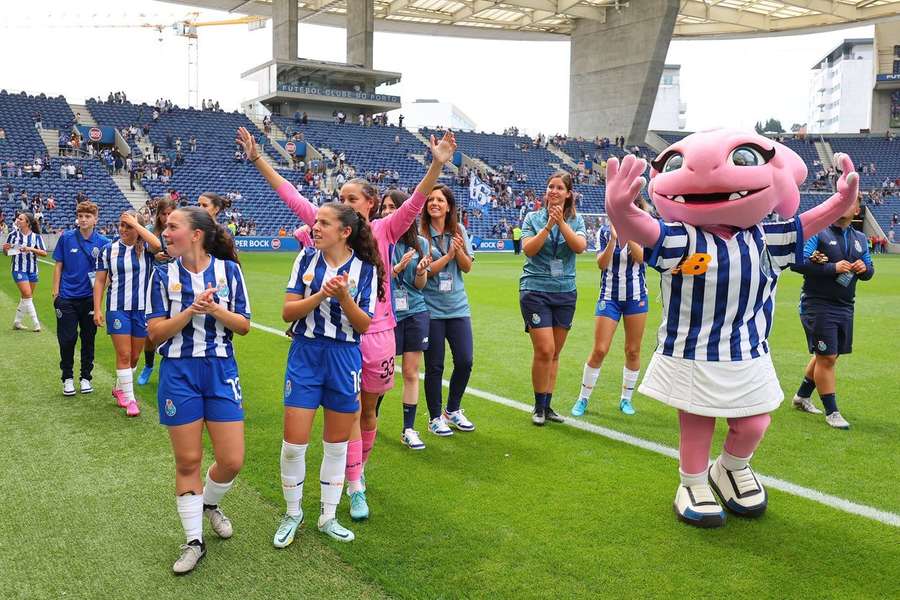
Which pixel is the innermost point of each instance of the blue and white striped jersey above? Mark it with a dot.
(328, 321)
(173, 289)
(623, 279)
(25, 262)
(128, 275)
(718, 294)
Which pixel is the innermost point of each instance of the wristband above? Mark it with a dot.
(256, 159)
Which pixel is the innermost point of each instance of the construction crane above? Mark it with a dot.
(186, 28)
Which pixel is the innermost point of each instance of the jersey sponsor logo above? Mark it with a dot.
(695, 264)
(175, 287)
(287, 388)
(170, 407)
(307, 278)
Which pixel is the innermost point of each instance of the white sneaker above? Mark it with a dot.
(18, 325)
(805, 405)
(86, 387)
(458, 419)
(438, 426)
(412, 440)
(696, 505)
(740, 491)
(191, 553)
(219, 522)
(69, 387)
(837, 421)
(37, 328)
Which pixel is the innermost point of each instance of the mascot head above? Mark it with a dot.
(726, 177)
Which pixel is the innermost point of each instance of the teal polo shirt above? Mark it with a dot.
(451, 303)
(536, 275)
(406, 281)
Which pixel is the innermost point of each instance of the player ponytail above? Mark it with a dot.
(361, 240)
(216, 241)
(219, 202)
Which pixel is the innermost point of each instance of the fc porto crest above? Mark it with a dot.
(170, 407)
(535, 318)
(117, 324)
(287, 388)
(222, 288)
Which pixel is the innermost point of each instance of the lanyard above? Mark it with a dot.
(80, 240)
(554, 236)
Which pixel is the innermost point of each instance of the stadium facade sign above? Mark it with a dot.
(888, 77)
(266, 244)
(330, 93)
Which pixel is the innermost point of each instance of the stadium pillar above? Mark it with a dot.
(360, 30)
(615, 68)
(284, 29)
(884, 107)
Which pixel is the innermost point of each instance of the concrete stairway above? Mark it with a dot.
(557, 151)
(826, 154)
(83, 115)
(277, 132)
(138, 197)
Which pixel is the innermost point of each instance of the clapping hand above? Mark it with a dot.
(842, 266)
(404, 261)
(205, 303)
(554, 216)
(423, 265)
(337, 287)
(458, 245)
(818, 258)
(858, 266)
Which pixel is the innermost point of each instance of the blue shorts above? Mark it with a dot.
(199, 388)
(411, 334)
(829, 330)
(323, 373)
(547, 309)
(126, 322)
(24, 276)
(616, 309)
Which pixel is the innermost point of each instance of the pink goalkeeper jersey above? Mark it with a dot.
(386, 231)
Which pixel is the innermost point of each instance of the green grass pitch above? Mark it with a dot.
(513, 511)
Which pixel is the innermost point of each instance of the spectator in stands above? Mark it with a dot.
(193, 143)
(890, 236)
(304, 119)
(51, 203)
(2, 134)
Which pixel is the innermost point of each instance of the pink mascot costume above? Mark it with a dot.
(719, 261)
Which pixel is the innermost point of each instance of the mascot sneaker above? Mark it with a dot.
(740, 490)
(696, 505)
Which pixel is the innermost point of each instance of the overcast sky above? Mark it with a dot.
(53, 46)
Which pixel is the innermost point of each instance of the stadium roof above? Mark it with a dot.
(547, 19)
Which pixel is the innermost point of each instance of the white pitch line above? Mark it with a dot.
(836, 502)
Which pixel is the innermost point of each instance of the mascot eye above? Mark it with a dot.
(673, 163)
(747, 156)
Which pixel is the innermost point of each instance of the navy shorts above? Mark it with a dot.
(126, 322)
(207, 388)
(616, 309)
(24, 276)
(411, 334)
(828, 330)
(547, 309)
(323, 373)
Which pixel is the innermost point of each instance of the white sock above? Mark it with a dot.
(30, 310)
(687, 480)
(190, 509)
(124, 382)
(331, 476)
(629, 380)
(734, 463)
(293, 474)
(213, 490)
(20, 311)
(589, 380)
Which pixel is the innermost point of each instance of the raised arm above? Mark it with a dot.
(623, 184)
(819, 217)
(148, 236)
(400, 220)
(294, 200)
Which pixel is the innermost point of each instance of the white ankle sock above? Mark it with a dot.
(331, 476)
(190, 509)
(688, 479)
(213, 491)
(293, 474)
(20, 311)
(589, 380)
(32, 312)
(734, 463)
